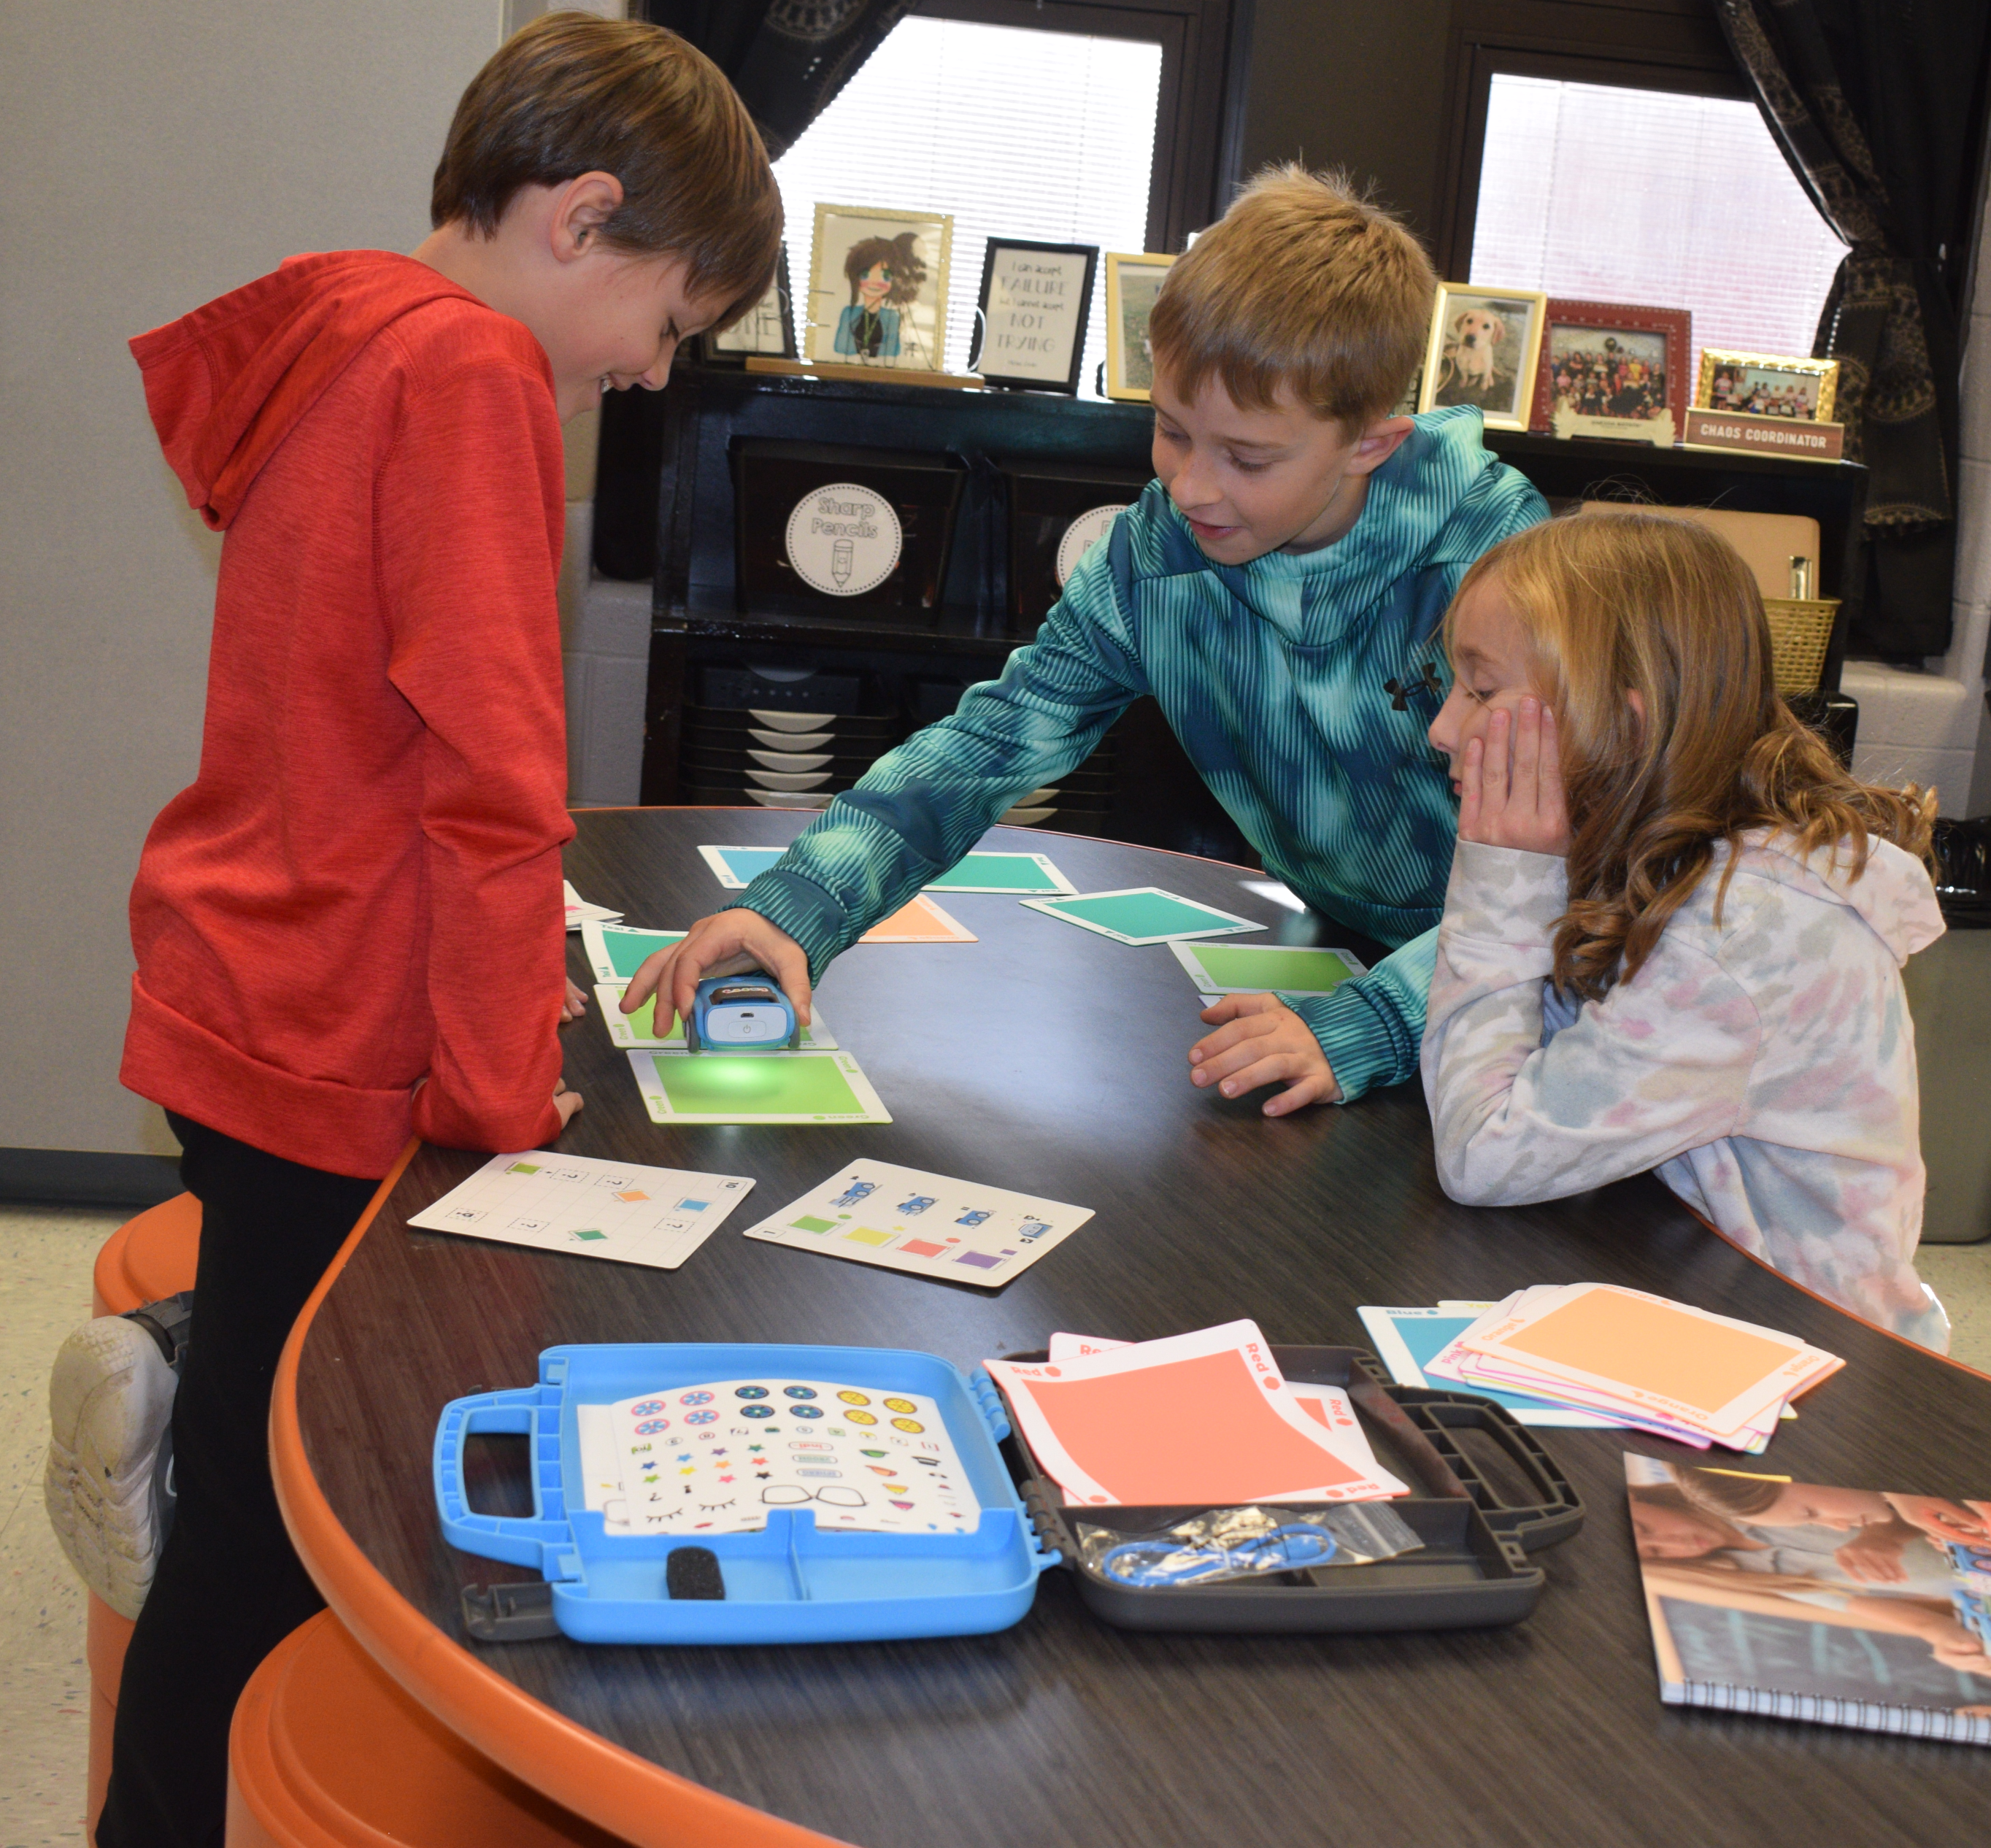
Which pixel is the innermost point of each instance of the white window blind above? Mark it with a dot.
(1641, 195)
(1016, 133)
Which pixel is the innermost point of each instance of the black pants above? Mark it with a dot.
(229, 1588)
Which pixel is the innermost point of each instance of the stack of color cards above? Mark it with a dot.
(1650, 1364)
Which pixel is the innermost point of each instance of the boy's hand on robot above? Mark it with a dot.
(727, 943)
(1260, 1040)
(1510, 785)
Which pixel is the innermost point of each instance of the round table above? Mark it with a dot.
(1051, 1060)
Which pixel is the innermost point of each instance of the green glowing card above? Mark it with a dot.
(1252, 968)
(756, 1087)
(639, 1029)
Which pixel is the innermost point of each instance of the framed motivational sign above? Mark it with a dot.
(1036, 299)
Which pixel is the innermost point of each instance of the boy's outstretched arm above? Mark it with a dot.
(922, 807)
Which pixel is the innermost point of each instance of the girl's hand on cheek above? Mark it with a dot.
(1510, 784)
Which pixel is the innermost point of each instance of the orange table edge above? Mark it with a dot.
(641, 1801)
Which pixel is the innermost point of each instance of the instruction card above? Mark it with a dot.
(1142, 914)
(1254, 968)
(714, 1458)
(879, 1213)
(635, 1215)
(615, 952)
(756, 1087)
(639, 1029)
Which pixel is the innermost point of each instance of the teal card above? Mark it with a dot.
(1142, 914)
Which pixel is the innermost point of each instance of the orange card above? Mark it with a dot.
(922, 921)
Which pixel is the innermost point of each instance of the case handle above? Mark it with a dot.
(1555, 1516)
(516, 1411)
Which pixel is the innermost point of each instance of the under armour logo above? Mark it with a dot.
(1400, 692)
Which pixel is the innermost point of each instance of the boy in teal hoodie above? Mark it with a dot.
(1277, 589)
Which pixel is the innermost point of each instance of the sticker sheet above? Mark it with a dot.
(736, 868)
(877, 1213)
(621, 1210)
(1027, 875)
(1204, 1419)
(1252, 968)
(714, 1458)
(639, 1029)
(1142, 914)
(615, 952)
(756, 1087)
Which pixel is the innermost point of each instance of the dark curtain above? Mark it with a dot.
(1878, 106)
(787, 57)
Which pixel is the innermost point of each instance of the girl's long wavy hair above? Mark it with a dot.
(1621, 602)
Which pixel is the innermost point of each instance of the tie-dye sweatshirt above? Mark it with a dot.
(1763, 1064)
(1300, 686)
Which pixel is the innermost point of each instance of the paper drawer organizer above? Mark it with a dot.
(789, 1582)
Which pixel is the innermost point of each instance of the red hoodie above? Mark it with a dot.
(362, 888)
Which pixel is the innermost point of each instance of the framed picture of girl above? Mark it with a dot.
(878, 287)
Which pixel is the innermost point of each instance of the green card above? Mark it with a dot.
(1250, 968)
(756, 1087)
(1022, 874)
(1142, 914)
(639, 1029)
(615, 952)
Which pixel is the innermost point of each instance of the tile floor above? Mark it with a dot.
(45, 1255)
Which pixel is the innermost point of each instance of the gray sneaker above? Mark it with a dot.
(109, 1480)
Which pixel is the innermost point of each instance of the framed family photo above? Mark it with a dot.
(1765, 385)
(1611, 369)
(1483, 348)
(768, 328)
(1133, 283)
(1035, 301)
(878, 287)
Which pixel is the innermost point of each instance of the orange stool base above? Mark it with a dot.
(146, 1258)
(328, 1751)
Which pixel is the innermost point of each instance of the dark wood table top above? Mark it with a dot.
(1049, 1060)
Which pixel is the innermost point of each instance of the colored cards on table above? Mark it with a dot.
(638, 1030)
(615, 952)
(686, 1088)
(1203, 1419)
(1651, 1364)
(736, 868)
(579, 910)
(622, 1210)
(714, 1458)
(877, 1213)
(1142, 914)
(1254, 968)
(1024, 874)
(921, 921)
(1407, 1340)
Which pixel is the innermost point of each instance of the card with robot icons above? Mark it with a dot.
(715, 1458)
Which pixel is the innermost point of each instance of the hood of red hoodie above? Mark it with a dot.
(227, 383)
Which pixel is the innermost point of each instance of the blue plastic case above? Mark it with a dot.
(788, 1583)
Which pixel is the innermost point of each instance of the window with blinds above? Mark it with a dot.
(1016, 133)
(1609, 194)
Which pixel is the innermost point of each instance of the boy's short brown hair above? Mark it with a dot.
(1302, 283)
(572, 93)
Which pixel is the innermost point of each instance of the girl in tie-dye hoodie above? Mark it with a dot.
(1675, 927)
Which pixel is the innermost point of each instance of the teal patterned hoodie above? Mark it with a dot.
(1300, 684)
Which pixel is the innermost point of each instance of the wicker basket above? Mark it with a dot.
(1800, 632)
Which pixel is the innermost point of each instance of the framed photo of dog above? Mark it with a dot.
(1611, 369)
(1485, 346)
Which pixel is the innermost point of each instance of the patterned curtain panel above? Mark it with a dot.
(1878, 106)
(787, 57)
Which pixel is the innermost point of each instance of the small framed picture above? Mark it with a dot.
(1484, 346)
(878, 288)
(1611, 369)
(768, 327)
(1133, 283)
(1765, 385)
(1036, 299)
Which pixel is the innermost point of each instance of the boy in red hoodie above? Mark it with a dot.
(349, 928)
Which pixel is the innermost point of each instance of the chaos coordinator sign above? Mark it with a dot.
(844, 540)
